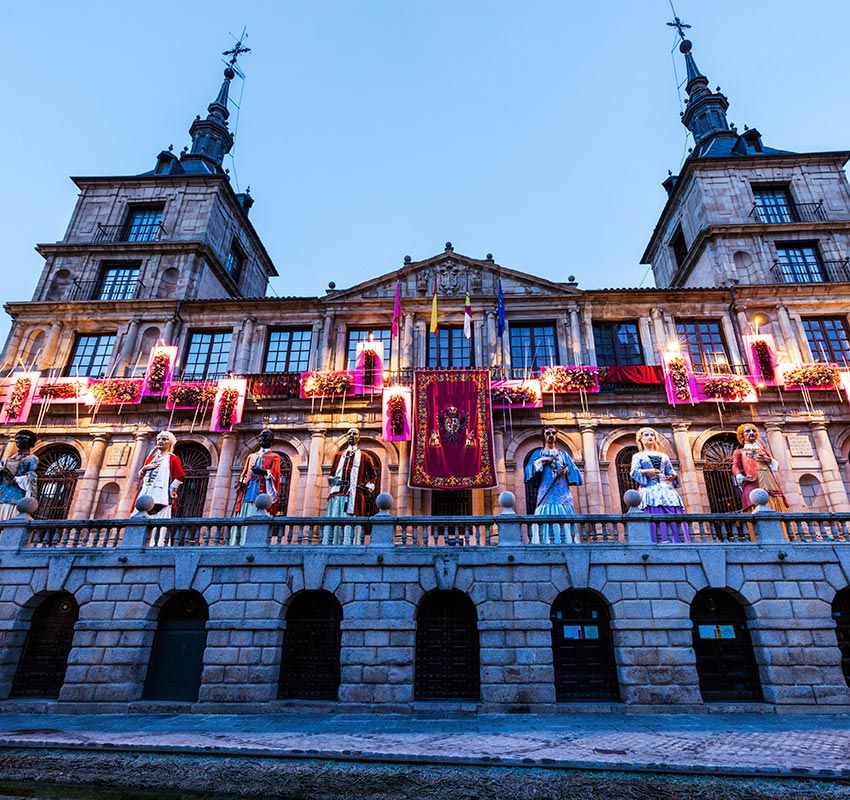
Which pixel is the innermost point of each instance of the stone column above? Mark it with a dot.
(234, 348)
(407, 343)
(590, 342)
(403, 491)
(650, 354)
(800, 337)
(141, 448)
(830, 471)
(51, 345)
(223, 476)
(87, 485)
(315, 339)
(420, 345)
(243, 354)
(658, 329)
(128, 344)
(340, 357)
(744, 325)
(171, 331)
(731, 339)
(792, 344)
(592, 478)
(492, 352)
(501, 472)
(313, 484)
(688, 478)
(324, 359)
(670, 326)
(13, 345)
(478, 334)
(575, 334)
(562, 330)
(778, 447)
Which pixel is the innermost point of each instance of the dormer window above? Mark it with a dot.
(235, 260)
(144, 224)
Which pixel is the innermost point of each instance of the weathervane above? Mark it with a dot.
(679, 26)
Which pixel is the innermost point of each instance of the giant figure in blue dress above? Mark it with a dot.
(17, 475)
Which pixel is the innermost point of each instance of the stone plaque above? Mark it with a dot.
(118, 455)
(800, 444)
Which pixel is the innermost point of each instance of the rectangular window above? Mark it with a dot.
(800, 263)
(449, 348)
(703, 341)
(356, 335)
(773, 204)
(117, 283)
(679, 246)
(533, 345)
(208, 355)
(91, 355)
(828, 339)
(235, 260)
(288, 350)
(617, 344)
(144, 223)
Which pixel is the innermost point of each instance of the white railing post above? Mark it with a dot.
(637, 526)
(382, 523)
(510, 532)
(766, 520)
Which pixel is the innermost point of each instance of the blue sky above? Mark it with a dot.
(537, 131)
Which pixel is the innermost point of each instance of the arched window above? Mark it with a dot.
(723, 494)
(193, 493)
(447, 650)
(285, 483)
(725, 660)
(582, 649)
(44, 660)
(623, 465)
(177, 653)
(841, 615)
(310, 667)
(57, 471)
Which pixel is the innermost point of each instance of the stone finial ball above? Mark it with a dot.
(144, 503)
(507, 499)
(632, 498)
(384, 501)
(685, 46)
(760, 497)
(263, 501)
(229, 73)
(27, 505)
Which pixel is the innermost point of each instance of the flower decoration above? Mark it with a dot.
(727, 387)
(815, 376)
(569, 379)
(226, 408)
(158, 370)
(17, 398)
(764, 359)
(677, 369)
(62, 391)
(397, 409)
(191, 394)
(513, 395)
(324, 384)
(370, 365)
(116, 391)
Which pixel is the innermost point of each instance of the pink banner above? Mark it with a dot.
(160, 371)
(569, 380)
(369, 367)
(19, 392)
(760, 352)
(516, 394)
(115, 392)
(396, 405)
(229, 404)
(62, 390)
(679, 379)
(190, 395)
(452, 431)
(327, 383)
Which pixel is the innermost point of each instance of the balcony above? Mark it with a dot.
(833, 271)
(148, 232)
(788, 212)
(97, 290)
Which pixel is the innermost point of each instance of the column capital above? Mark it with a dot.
(817, 424)
(102, 437)
(228, 436)
(317, 433)
(655, 313)
(681, 427)
(774, 425)
(572, 308)
(587, 425)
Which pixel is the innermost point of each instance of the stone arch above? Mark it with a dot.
(169, 280)
(716, 463)
(148, 339)
(812, 492)
(197, 465)
(59, 285)
(59, 468)
(31, 353)
(699, 442)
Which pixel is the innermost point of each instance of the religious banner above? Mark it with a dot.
(159, 371)
(19, 390)
(516, 394)
(369, 367)
(760, 352)
(453, 430)
(229, 404)
(396, 407)
(679, 381)
(61, 390)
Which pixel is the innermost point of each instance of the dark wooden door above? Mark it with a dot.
(582, 649)
(623, 464)
(310, 667)
(192, 495)
(58, 469)
(44, 661)
(177, 655)
(447, 650)
(452, 503)
(841, 615)
(725, 659)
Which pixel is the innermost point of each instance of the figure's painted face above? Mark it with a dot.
(549, 436)
(751, 434)
(266, 439)
(353, 437)
(163, 442)
(648, 438)
(22, 441)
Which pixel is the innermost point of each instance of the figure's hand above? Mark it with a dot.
(370, 487)
(174, 494)
(652, 473)
(258, 471)
(763, 457)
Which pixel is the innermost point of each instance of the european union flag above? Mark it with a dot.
(501, 319)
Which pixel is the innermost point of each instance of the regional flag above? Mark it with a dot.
(397, 308)
(434, 308)
(501, 318)
(467, 317)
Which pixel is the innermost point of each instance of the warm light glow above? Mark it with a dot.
(673, 347)
(759, 320)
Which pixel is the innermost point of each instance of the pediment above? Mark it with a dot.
(452, 272)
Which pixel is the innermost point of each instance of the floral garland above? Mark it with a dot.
(226, 407)
(397, 409)
(513, 395)
(678, 372)
(188, 394)
(115, 391)
(157, 371)
(62, 391)
(568, 379)
(15, 403)
(322, 384)
(764, 359)
(727, 387)
(815, 375)
(370, 364)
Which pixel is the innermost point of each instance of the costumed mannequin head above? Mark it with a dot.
(550, 437)
(24, 440)
(353, 436)
(266, 438)
(647, 438)
(747, 433)
(165, 441)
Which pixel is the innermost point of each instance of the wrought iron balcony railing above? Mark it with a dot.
(788, 212)
(832, 271)
(98, 290)
(148, 232)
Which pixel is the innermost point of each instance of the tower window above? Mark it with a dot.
(91, 354)
(117, 283)
(800, 263)
(679, 246)
(208, 355)
(235, 260)
(773, 204)
(144, 223)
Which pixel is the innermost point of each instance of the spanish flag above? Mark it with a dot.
(434, 308)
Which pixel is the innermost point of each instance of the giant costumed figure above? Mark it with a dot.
(754, 467)
(159, 478)
(17, 475)
(353, 482)
(260, 475)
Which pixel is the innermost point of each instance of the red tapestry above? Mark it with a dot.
(453, 430)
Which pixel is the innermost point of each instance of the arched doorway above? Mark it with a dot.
(310, 667)
(177, 653)
(285, 484)
(623, 465)
(841, 615)
(44, 660)
(196, 465)
(57, 471)
(447, 650)
(725, 659)
(582, 648)
(723, 494)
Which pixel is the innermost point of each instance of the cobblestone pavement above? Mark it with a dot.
(702, 743)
